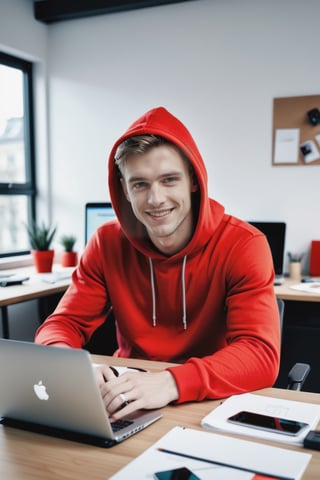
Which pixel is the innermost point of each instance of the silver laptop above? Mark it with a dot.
(54, 391)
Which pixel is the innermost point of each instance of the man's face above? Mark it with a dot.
(158, 185)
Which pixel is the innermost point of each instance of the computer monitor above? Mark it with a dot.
(276, 235)
(96, 213)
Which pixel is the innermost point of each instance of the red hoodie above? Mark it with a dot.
(210, 307)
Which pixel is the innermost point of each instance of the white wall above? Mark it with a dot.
(216, 64)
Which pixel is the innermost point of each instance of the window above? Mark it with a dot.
(17, 173)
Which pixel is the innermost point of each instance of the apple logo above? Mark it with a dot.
(40, 391)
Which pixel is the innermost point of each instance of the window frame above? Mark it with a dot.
(28, 188)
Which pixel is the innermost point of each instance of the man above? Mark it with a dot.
(187, 282)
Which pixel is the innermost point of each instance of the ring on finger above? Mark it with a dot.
(124, 398)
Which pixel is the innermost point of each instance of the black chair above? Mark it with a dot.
(104, 339)
(300, 371)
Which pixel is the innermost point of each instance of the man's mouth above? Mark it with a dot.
(159, 214)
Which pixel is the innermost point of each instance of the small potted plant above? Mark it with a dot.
(69, 257)
(41, 237)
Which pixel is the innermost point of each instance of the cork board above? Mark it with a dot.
(296, 134)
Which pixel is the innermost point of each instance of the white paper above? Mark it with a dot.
(120, 370)
(245, 454)
(288, 409)
(286, 145)
(54, 277)
(312, 287)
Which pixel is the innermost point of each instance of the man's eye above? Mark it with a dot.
(170, 179)
(138, 185)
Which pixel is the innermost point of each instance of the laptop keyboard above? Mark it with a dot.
(120, 424)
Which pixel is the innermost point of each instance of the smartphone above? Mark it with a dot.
(182, 473)
(269, 423)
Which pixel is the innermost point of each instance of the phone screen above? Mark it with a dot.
(176, 474)
(266, 422)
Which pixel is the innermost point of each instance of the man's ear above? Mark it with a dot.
(124, 188)
(194, 183)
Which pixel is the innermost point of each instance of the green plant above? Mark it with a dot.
(295, 257)
(68, 241)
(40, 236)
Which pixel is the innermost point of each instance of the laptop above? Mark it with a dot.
(276, 235)
(96, 213)
(53, 391)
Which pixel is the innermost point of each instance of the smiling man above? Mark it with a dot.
(187, 282)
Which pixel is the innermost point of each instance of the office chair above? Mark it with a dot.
(104, 339)
(299, 372)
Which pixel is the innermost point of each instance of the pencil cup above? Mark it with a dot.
(295, 270)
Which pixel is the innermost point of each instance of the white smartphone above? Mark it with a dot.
(268, 423)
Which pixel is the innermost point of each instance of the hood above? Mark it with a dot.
(159, 121)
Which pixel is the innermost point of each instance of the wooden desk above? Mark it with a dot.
(29, 456)
(286, 293)
(34, 288)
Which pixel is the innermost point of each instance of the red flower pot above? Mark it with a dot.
(69, 259)
(43, 260)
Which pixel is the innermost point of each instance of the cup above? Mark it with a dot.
(295, 270)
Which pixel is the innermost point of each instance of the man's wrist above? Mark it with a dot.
(171, 387)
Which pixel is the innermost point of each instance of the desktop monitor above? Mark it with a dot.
(95, 215)
(276, 234)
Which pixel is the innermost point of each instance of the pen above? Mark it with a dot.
(193, 457)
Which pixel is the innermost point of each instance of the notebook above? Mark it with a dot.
(53, 391)
(276, 235)
(96, 213)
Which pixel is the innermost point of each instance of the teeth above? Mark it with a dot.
(159, 214)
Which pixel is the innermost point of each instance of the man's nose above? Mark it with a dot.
(156, 194)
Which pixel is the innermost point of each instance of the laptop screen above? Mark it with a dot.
(95, 215)
(276, 234)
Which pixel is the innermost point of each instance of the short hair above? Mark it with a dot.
(140, 144)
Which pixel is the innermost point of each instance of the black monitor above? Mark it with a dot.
(96, 213)
(276, 235)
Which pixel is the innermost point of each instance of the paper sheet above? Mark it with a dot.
(54, 277)
(225, 451)
(286, 145)
(312, 287)
(288, 409)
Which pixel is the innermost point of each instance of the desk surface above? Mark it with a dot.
(35, 287)
(26, 456)
(286, 293)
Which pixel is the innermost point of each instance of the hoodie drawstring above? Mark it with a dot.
(154, 316)
(153, 291)
(184, 303)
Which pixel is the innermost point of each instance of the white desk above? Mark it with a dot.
(286, 293)
(34, 288)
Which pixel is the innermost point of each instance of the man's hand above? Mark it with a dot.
(103, 374)
(132, 391)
